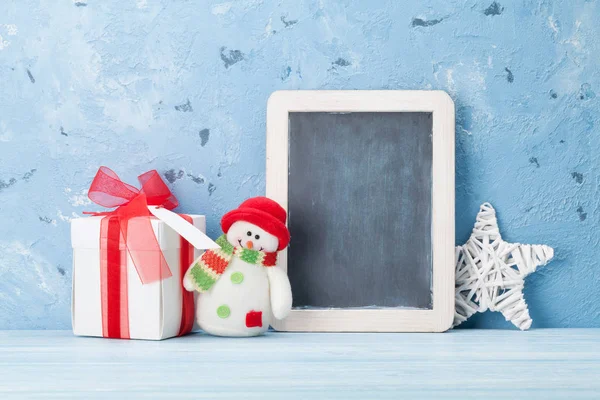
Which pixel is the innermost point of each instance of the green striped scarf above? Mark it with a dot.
(207, 269)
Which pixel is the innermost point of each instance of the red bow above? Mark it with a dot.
(136, 233)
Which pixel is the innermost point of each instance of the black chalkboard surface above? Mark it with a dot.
(360, 209)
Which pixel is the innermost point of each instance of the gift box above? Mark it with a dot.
(129, 263)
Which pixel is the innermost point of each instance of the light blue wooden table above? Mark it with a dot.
(461, 364)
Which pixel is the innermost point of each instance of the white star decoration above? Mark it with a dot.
(490, 272)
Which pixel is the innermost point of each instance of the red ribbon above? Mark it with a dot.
(186, 257)
(129, 226)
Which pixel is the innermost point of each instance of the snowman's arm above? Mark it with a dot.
(280, 292)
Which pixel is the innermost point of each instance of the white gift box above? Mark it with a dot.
(154, 309)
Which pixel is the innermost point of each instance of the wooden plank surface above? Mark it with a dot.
(462, 364)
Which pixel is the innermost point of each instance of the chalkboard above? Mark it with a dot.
(359, 206)
(367, 179)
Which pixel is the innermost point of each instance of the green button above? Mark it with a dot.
(237, 278)
(223, 311)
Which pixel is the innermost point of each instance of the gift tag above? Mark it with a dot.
(190, 233)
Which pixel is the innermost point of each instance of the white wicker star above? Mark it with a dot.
(490, 272)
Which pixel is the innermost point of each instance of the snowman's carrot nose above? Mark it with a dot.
(249, 244)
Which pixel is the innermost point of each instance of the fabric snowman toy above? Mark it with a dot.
(240, 285)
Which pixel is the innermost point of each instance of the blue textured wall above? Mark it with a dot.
(182, 86)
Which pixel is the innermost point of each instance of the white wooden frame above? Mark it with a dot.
(440, 317)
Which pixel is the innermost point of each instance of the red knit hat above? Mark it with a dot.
(264, 213)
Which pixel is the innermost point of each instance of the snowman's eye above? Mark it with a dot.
(257, 237)
(249, 233)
